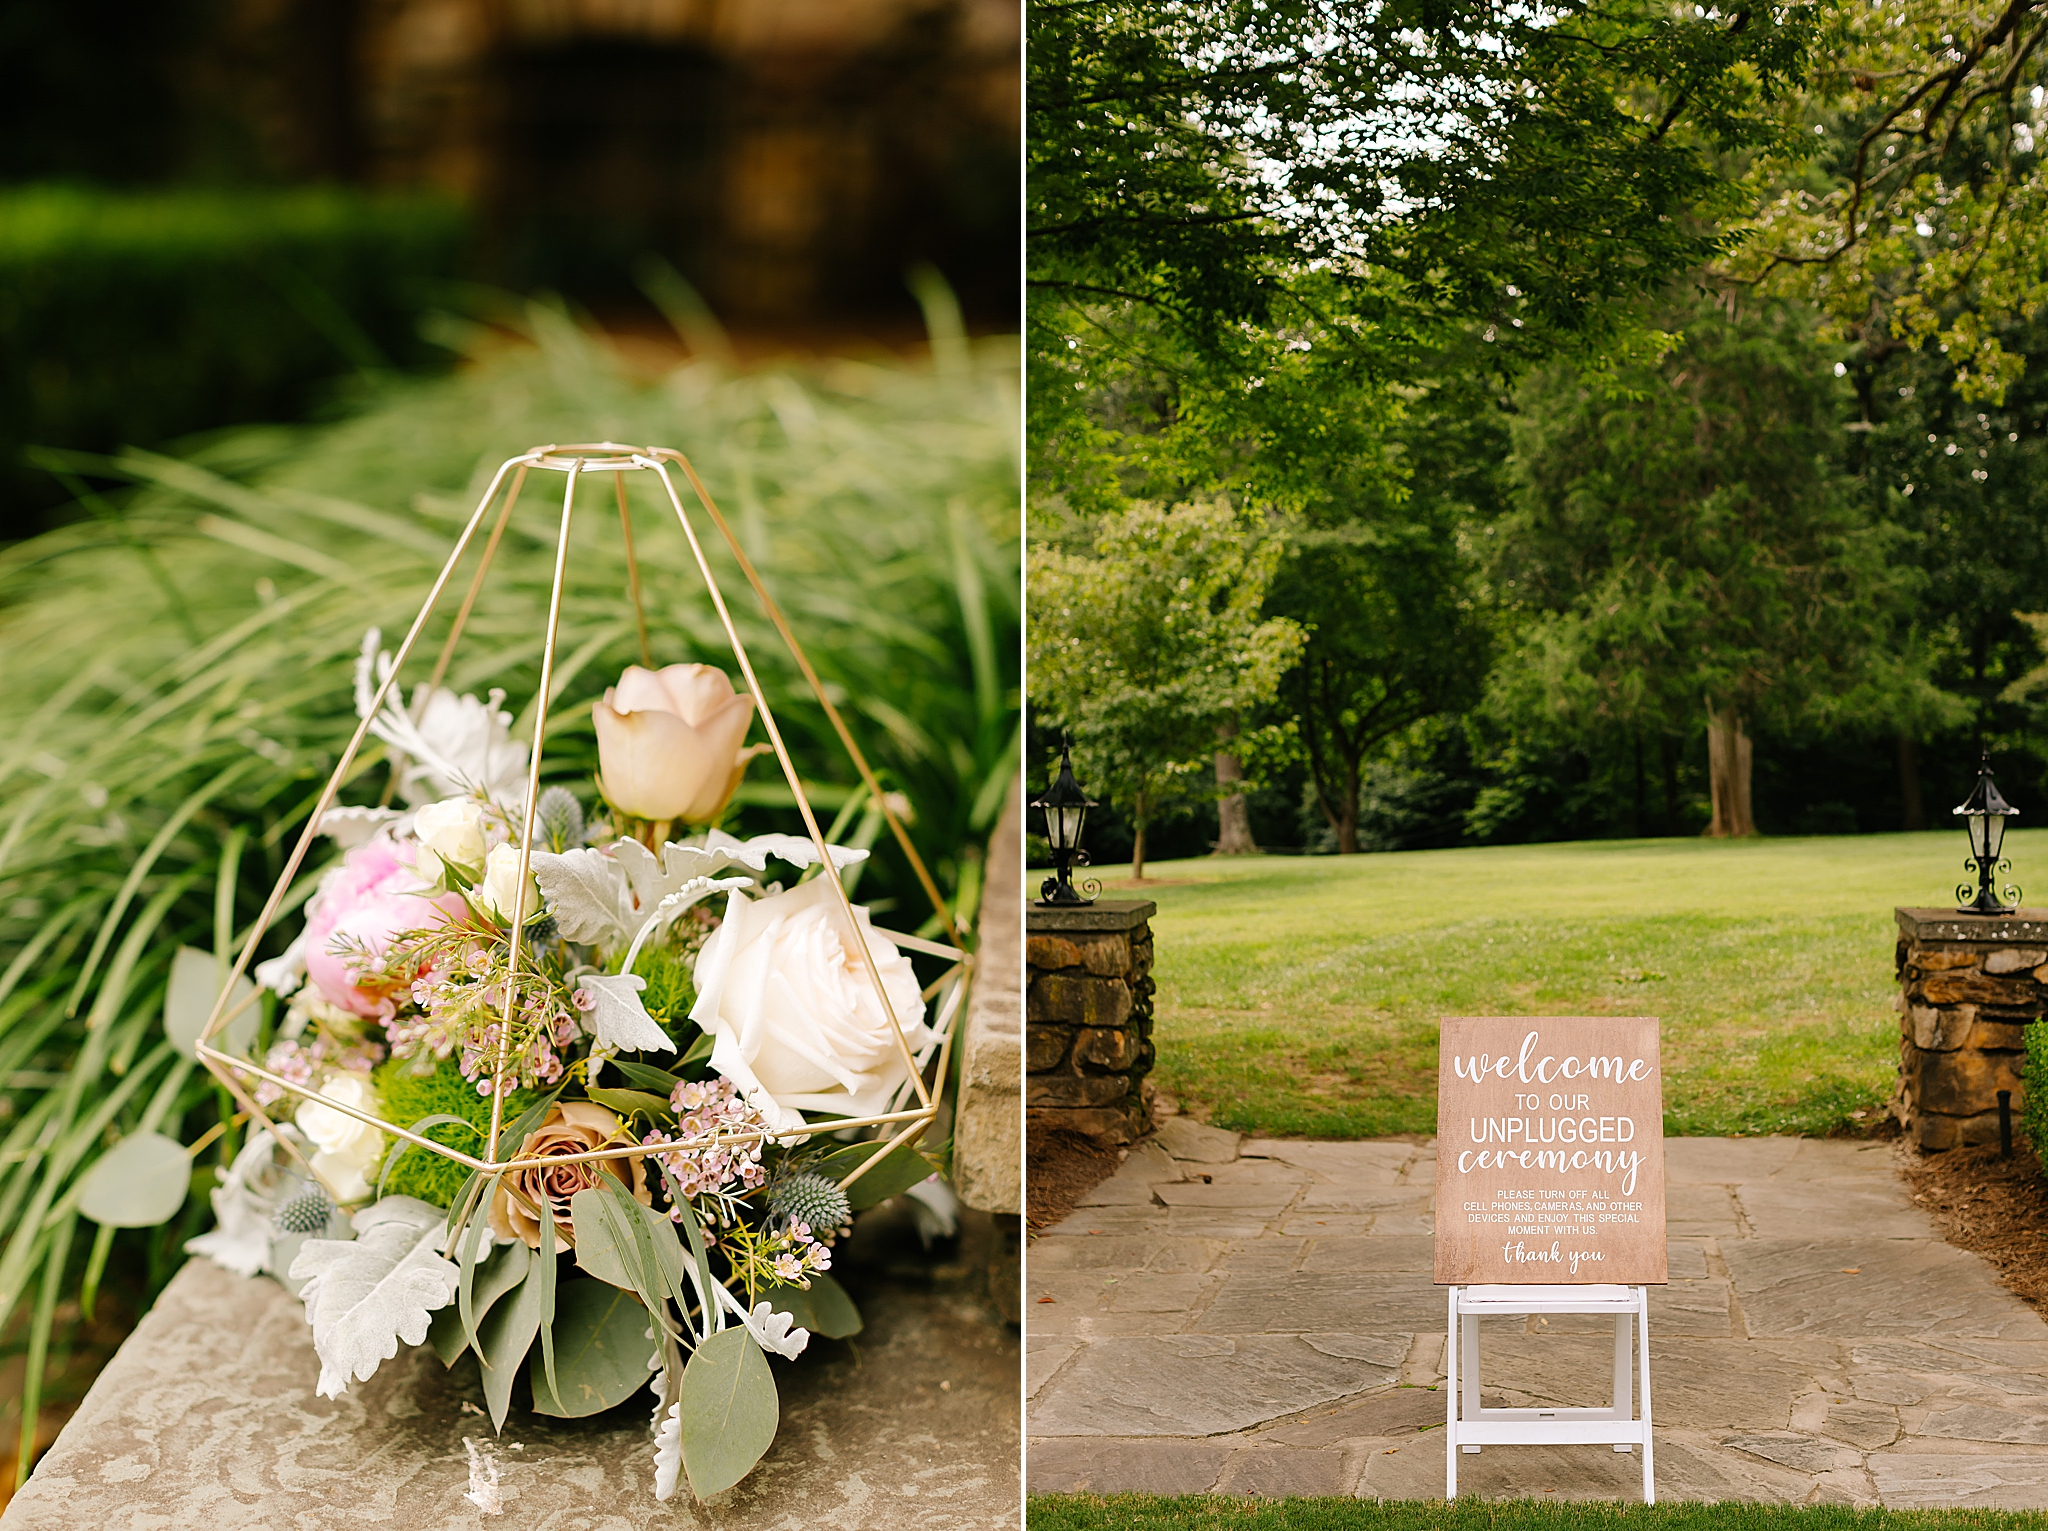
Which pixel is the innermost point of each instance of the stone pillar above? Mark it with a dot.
(1969, 985)
(1088, 1018)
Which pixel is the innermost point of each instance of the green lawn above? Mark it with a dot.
(1215, 1512)
(1299, 996)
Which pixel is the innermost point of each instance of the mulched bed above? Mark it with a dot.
(1993, 1207)
(1060, 1168)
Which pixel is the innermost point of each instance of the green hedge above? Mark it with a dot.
(134, 318)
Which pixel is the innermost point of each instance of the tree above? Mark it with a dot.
(1686, 538)
(1504, 161)
(1968, 481)
(1379, 575)
(1907, 198)
(1151, 642)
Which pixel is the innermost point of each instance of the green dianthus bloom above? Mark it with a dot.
(407, 1098)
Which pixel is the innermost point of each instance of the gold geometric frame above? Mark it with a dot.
(575, 461)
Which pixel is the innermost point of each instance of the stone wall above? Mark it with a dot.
(1969, 985)
(1088, 1015)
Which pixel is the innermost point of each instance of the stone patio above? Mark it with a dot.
(1257, 1317)
(207, 1418)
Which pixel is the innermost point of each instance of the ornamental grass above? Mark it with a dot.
(179, 659)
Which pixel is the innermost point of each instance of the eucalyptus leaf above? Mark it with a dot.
(698, 1051)
(601, 1350)
(476, 1232)
(506, 1268)
(189, 994)
(626, 1102)
(444, 1334)
(729, 1410)
(503, 1339)
(824, 1310)
(138, 1183)
(645, 1076)
(544, 1276)
(607, 1248)
(896, 1174)
(687, 1216)
(465, 1202)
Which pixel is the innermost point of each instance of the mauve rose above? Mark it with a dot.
(668, 742)
(374, 896)
(570, 1127)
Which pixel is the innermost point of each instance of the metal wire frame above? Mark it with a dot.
(574, 461)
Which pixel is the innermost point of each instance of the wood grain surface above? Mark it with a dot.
(1550, 1151)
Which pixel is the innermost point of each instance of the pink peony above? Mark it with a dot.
(372, 898)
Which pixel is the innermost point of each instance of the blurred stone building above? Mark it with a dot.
(791, 157)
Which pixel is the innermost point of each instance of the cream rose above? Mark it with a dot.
(572, 1127)
(499, 890)
(668, 742)
(792, 1009)
(346, 1150)
(451, 830)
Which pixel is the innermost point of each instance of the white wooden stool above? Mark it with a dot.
(1471, 1425)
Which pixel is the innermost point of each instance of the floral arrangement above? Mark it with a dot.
(675, 1040)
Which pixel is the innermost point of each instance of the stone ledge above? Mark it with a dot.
(206, 1418)
(2022, 925)
(988, 1134)
(1107, 914)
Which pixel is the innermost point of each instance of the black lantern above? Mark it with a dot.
(1066, 809)
(1984, 814)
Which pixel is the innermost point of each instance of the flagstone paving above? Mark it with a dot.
(1257, 1317)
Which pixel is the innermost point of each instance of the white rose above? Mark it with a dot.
(451, 830)
(499, 890)
(796, 1023)
(346, 1149)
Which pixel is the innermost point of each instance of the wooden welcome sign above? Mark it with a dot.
(1549, 1151)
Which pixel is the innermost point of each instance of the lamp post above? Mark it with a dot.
(1066, 809)
(1984, 813)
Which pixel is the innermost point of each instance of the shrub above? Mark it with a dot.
(134, 318)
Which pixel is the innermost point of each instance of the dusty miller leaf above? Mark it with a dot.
(242, 1206)
(364, 1295)
(618, 1019)
(681, 866)
(588, 894)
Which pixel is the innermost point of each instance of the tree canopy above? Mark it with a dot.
(1151, 642)
(1636, 395)
(1507, 163)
